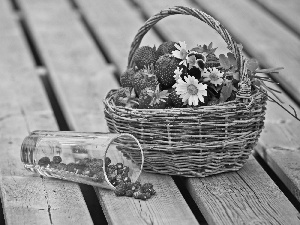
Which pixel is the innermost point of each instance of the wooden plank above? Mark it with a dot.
(274, 115)
(278, 123)
(115, 24)
(168, 206)
(264, 38)
(77, 74)
(248, 196)
(279, 144)
(287, 11)
(27, 198)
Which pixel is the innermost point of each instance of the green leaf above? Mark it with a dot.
(226, 90)
(224, 61)
(232, 59)
(236, 75)
(252, 64)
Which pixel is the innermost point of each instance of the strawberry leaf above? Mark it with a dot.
(232, 59)
(224, 61)
(226, 90)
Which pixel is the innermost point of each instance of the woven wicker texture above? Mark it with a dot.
(193, 142)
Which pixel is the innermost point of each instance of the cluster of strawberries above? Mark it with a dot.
(135, 190)
(86, 167)
(117, 174)
(174, 77)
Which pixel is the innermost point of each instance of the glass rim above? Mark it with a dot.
(110, 142)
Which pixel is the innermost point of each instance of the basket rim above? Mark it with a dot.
(230, 105)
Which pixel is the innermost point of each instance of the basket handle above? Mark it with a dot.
(213, 23)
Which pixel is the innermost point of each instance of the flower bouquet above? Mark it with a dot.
(194, 113)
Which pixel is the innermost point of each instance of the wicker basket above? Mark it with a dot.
(187, 141)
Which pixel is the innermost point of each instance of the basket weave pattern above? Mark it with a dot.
(187, 141)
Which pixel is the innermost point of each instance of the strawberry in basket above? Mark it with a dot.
(144, 57)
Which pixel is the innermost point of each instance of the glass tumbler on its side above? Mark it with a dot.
(94, 158)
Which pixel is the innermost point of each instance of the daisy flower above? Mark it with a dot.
(213, 76)
(177, 72)
(181, 52)
(190, 90)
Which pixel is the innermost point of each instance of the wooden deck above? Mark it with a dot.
(59, 58)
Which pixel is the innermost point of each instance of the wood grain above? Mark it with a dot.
(115, 24)
(76, 68)
(168, 207)
(279, 146)
(286, 11)
(26, 198)
(264, 38)
(248, 196)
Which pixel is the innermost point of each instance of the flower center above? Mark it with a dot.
(192, 89)
(213, 76)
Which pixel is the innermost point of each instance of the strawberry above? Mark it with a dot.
(145, 78)
(212, 61)
(144, 56)
(126, 78)
(150, 99)
(175, 99)
(165, 48)
(126, 97)
(165, 67)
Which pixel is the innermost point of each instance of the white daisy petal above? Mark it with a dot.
(189, 94)
(195, 99)
(190, 101)
(176, 54)
(177, 46)
(202, 92)
(205, 74)
(182, 44)
(185, 97)
(201, 98)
